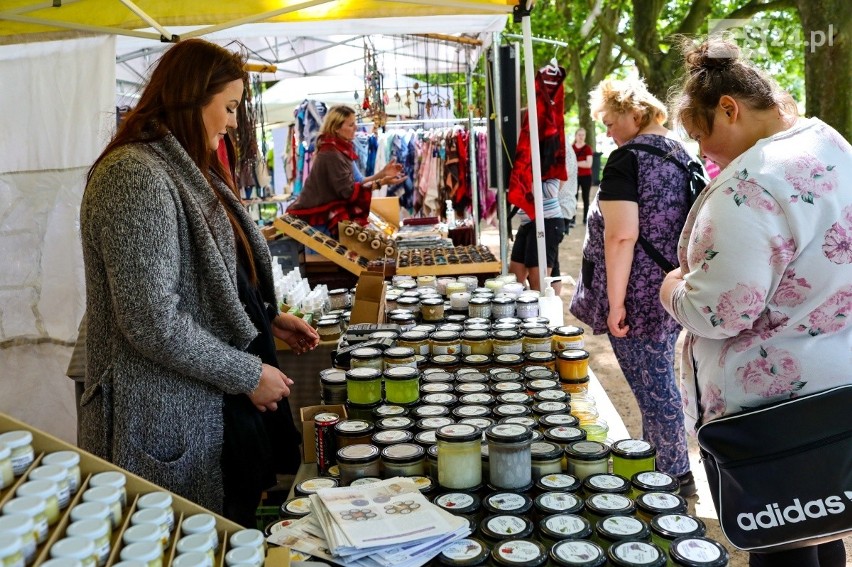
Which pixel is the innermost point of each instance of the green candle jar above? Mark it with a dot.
(698, 552)
(666, 528)
(653, 481)
(651, 504)
(402, 385)
(599, 506)
(635, 554)
(630, 456)
(558, 527)
(577, 553)
(613, 529)
(364, 385)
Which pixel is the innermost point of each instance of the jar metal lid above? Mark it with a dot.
(615, 528)
(545, 451)
(606, 482)
(655, 481)
(399, 352)
(363, 373)
(672, 526)
(573, 354)
(401, 372)
(476, 359)
(500, 526)
(402, 317)
(391, 436)
(540, 356)
(505, 502)
(609, 504)
(425, 438)
(633, 449)
(333, 376)
(458, 432)
(471, 410)
(311, 485)
(525, 420)
(438, 376)
(537, 333)
(436, 388)
(515, 398)
(395, 422)
(539, 372)
(549, 407)
(328, 322)
(558, 482)
(551, 396)
(406, 299)
(587, 450)
(655, 503)
(474, 335)
(635, 554)
(402, 453)
(471, 387)
(387, 410)
(456, 318)
(366, 353)
(503, 375)
(528, 299)
(559, 420)
(433, 423)
(467, 552)
(446, 359)
(474, 376)
(353, 427)
(565, 526)
(477, 398)
(357, 453)
(326, 418)
(519, 553)
(503, 387)
(482, 423)
(479, 300)
(557, 502)
(507, 410)
(444, 336)
(431, 301)
(508, 433)
(698, 552)
(15, 439)
(542, 384)
(578, 553)
(439, 398)
(568, 331)
(423, 483)
(414, 336)
(458, 502)
(506, 335)
(430, 410)
(508, 359)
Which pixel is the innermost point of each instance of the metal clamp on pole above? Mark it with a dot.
(524, 8)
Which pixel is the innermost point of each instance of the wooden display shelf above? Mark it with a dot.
(325, 250)
(451, 269)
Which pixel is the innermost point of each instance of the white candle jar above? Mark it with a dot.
(586, 458)
(510, 462)
(459, 457)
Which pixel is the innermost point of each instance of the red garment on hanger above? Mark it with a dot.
(550, 104)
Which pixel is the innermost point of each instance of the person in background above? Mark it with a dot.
(335, 189)
(641, 194)
(583, 153)
(568, 204)
(524, 258)
(182, 383)
(764, 286)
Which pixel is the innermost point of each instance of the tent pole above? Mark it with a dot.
(532, 120)
(471, 154)
(502, 212)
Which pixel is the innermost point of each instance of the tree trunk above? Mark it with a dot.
(827, 27)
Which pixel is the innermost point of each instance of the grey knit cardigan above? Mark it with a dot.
(166, 328)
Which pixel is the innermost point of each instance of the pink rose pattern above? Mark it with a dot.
(783, 252)
(767, 325)
(701, 247)
(832, 315)
(737, 308)
(712, 402)
(751, 194)
(775, 373)
(792, 291)
(837, 246)
(810, 178)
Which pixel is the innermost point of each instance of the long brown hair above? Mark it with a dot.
(186, 78)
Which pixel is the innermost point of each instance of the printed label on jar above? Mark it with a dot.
(402, 451)
(427, 437)
(519, 551)
(607, 482)
(506, 525)
(435, 422)
(677, 523)
(430, 410)
(353, 425)
(559, 418)
(543, 384)
(563, 432)
(390, 410)
(508, 387)
(562, 344)
(633, 446)
(524, 420)
(557, 480)
(471, 388)
(554, 395)
(396, 422)
(301, 505)
(21, 462)
(510, 348)
(610, 501)
(506, 501)
(478, 398)
(512, 409)
(651, 478)
(566, 524)
(698, 550)
(559, 501)
(515, 398)
(439, 349)
(577, 551)
(636, 552)
(622, 525)
(552, 407)
(390, 436)
(455, 500)
(462, 550)
(660, 500)
(314, 484)
(471, 411)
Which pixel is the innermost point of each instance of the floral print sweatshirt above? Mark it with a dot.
(767, 259)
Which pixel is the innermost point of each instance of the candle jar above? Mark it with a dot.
(630, 456)
(470, 282)
(559, 482)
(45, 490)
(507, 342)
(409, 303)
(545, 359)
(364, 384)
(399, 357)
(417, 340)
(403, 459)
(366, 357)
(518, 552)
(332, 386)
(389, 410)
(515, 398)
(653, 481)
(357, 461)
(430, 388)
(75, 550)
(432, 423)
(442, 283)
(510, 462)
(666, 528)
(599, 506)
(329, 329)
(361, 411)
(445, 342)
(553, 396)
(466, 552)
(502, 306)
(560, 527)
(536, 339)
(573, 364)
(437, 376)
(696, 551)
(70, 461)
(499, 527)
(405, 320)
(395, 422)
(459, 460)
(22, 527)
(509, 361)
(402, 384)
(459, 300)
(57, 475)
(352, 431)
(567, 337)
(339, 298)
(432, 309)
(479, 307)
(476, 342)
(388, 437)
(613, 529)
(7, 475)
(476, 362)
(586, 458)
(635, 553)
(20, 444)
(446, 362)
(549, 503)
(469, 411)
(597, 430)
(34, 508)
(606, 483)
(499, 388)
(652, 504)
(507, 503)
(577, 553)
(455, 287)
(546, 458)
(527, 306)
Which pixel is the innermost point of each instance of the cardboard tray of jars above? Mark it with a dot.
(324, 245)
(477, 259)
(87, 467)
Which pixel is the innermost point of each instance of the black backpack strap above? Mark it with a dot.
(655, 255)
(659, 152)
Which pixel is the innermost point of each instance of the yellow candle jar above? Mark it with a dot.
(631, 456)
(573, 364)
(476, 342)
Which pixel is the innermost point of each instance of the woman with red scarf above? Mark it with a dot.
(335, 189)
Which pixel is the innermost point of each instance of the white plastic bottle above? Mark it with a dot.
(550, 306)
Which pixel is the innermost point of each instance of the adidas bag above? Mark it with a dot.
(781, 476)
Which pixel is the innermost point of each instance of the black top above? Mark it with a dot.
(621, 172)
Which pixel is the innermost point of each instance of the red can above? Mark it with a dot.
(326, 445)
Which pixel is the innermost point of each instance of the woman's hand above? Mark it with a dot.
(670, 284)
(390, 171)
(273, 387)
(617, 321)
(294, 331)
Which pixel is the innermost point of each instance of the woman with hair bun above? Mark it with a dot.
(642, 195)
(764, 287)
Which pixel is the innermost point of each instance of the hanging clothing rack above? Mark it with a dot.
(426, 121)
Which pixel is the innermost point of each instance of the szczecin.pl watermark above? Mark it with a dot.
(759, 35)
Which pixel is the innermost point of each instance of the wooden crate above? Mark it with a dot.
(451, 269)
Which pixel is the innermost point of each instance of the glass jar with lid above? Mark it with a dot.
(481, 422)
(510, 461)
(352, 431)
(515, 398)
(22, 527)
(34, 508)
(537, 339)
(429, 388)
(559, 527)
(599, 506)
(432, 309)
(476, 342)
(600, 483)
(652, 504)
(552, 396)
(511, 410)
(545, 359)
(402, 384)
(510, 361)
(364, 384)
(613, 529)
(422, 411)
(546, 458)
(587, 457)
(57, 475)
(333, 386)
(403, 459)
(542, 409)
(477, 399)
(666, 528)
(471, 410)
(11, 550)
(695, 551)
(444, 398)
(479, 307)
(459, 463)
(70, 461)
(540, 384)
(426, 437)
(559, 482)
(361, 411)
(310, 486)
(507, 342)
(403, 422)
(454, 287)
(409, 303)
(404, 319)
(567, 337)
(388, 437)
(498, 388)
(518, 552)
(329, 329)
(446, 362)
(476, 362)
(357, 461)
(437, 375)
(502, 306)
(526, 306)
(549, 503)
(497, 528)
(459, 503)
(577, 553)
(366, 357)
(20, 444)
(630, 456)
(431, 423)
(395, 357)
(630, 553)
(459, 301)
(76, 548)
(573, 364)
(417, 340)
(45, 490)
(445, 342)
(467, 552)
(653, 481)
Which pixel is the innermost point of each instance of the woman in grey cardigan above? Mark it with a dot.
(180, 302)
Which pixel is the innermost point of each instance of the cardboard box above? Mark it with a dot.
(369, 304)
(308, 433)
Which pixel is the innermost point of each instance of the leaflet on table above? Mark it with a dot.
(386, 513)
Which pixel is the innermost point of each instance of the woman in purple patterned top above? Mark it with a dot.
(641, 194)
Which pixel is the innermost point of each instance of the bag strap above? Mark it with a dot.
(659, 152)
(655, 255)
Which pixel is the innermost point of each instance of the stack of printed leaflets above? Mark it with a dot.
(383, 524)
